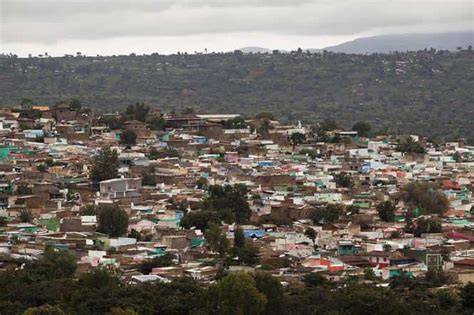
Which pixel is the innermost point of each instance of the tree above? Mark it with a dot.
(235, 123)
(247, 254)
(138, 111)
(369, 274)
(363, 128)
(199, 219)
(128, 137)
(311, 234)
(273, 291)
(328, 214)
(297, 138)
(42, 167)
(75, 104)
(386, 211)
(265, 115)
(424, 196)
(121, 311)
(148, 178)
(89, 209)
(25, 216)
(104, 165)
(315, 279)
(112, 221)
(352, 209)
(426, 225)
(239, 237)
(265, 126)
(44, 310)
(467, 296)
(229, 202)
(161, 261)
(24, 190)
(409, 145)
(236, 293)
(53, 265)
(343, 180)
(216, 240)
(328, 125)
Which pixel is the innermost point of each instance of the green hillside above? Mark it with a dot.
(428, 92)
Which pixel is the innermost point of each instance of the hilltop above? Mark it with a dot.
(427, 92)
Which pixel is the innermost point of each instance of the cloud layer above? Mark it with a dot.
(58, 24)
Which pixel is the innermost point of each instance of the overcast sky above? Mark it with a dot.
(144, 26)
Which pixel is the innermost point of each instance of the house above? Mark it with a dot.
(120, 187)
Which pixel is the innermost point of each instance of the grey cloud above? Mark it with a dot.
(52, 21)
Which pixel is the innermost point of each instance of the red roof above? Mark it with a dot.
(449, 184)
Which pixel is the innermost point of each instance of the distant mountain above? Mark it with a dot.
(255, 50)
(403, 42)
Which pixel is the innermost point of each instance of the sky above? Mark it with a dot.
(108, 27)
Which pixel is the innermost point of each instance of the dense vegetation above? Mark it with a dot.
(428, 92)
(48, 286)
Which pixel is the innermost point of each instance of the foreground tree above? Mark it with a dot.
(104, 165)
(236, 293)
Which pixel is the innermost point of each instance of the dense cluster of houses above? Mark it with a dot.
(44, 182)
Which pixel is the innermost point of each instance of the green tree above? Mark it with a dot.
(199, 219)
(161, 261)
(121, 311)
(409, 145)
(138, 111)
(265, 115)
(363, 128)
(467, 298)
(315, 279)
(128, 137)
(23, 190)
(25, 215)
(369, 274)
(229, 202)
(297, 138)
(44, 310)
(112, 221)
(75, 104)
(386, 211)
(235, 123)
(311, 234)
(104, 165)
(424, 196)
(236, 294)
(328, 214)
(425, 225)
(148, 178)
(273, 291)
(53, 265)
(89, 209)
(239, 237)
(247, 254)
(343, 180)
(216, 240)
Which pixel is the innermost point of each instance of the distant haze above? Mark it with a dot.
(166, 26)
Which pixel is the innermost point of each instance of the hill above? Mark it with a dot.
(427, 92)
(405, 42)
